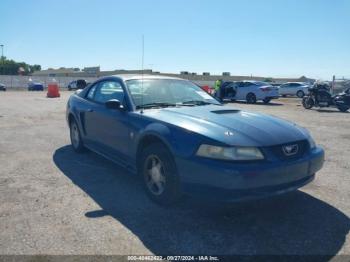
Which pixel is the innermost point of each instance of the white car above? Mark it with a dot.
(250, 91)
(294, 89)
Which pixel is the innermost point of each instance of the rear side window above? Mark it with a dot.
(258, 83)
(244, 84)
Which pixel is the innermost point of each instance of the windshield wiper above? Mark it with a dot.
(197, 103)
(156, 104)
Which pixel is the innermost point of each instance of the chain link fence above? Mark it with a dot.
(21, 82)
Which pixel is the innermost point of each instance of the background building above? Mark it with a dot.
(203, 79)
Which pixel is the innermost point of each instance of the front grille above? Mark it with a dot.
(279, 152)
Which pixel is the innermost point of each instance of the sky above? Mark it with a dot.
(272, 38)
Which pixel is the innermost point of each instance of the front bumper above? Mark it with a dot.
(228, 181)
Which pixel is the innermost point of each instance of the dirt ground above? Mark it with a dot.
(54, 201)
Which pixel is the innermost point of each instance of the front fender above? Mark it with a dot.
(181, 142)
(161, 131)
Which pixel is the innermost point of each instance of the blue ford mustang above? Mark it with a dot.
(180, 140)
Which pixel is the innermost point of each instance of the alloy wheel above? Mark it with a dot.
(74, 134)
(300, 94)
(154, 175)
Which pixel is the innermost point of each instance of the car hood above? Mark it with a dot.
(230, 126)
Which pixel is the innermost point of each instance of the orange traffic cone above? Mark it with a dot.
(53, 90)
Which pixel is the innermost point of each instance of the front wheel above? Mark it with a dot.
(158, 169)
(308, 102)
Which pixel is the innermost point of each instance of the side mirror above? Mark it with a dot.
(114, 104)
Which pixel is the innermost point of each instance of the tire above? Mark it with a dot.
(164, 187)
(251, 98)
(343, 108)
(300, 94)
(266, 100)
(75, 137)
(308, 102)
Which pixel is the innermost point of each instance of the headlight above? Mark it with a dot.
(309, 138)
(311, 142)
(230, 153)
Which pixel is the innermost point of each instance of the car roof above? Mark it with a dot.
(126, 77)
(252, 81)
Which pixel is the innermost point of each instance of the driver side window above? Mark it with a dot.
(106, 90)
(240, 84)
(232, 85)
(91, 93)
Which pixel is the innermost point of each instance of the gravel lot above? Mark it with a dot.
(54, 201)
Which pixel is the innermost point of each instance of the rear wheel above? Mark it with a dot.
(300, 94)
(75, 137)
(266, 100)
(251, 98)
(158, 169)
(343, 108)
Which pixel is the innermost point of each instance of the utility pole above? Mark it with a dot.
(2, 59)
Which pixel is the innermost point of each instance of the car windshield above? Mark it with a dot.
(167, 92)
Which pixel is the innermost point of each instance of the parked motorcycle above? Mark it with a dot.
(320, 96)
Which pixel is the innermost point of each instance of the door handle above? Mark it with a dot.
(89, 110)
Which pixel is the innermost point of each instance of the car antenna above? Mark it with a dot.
(142, 61)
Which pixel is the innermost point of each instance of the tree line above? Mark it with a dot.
(11, 67)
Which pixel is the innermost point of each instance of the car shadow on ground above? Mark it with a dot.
(296, 223)
(335, 110)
